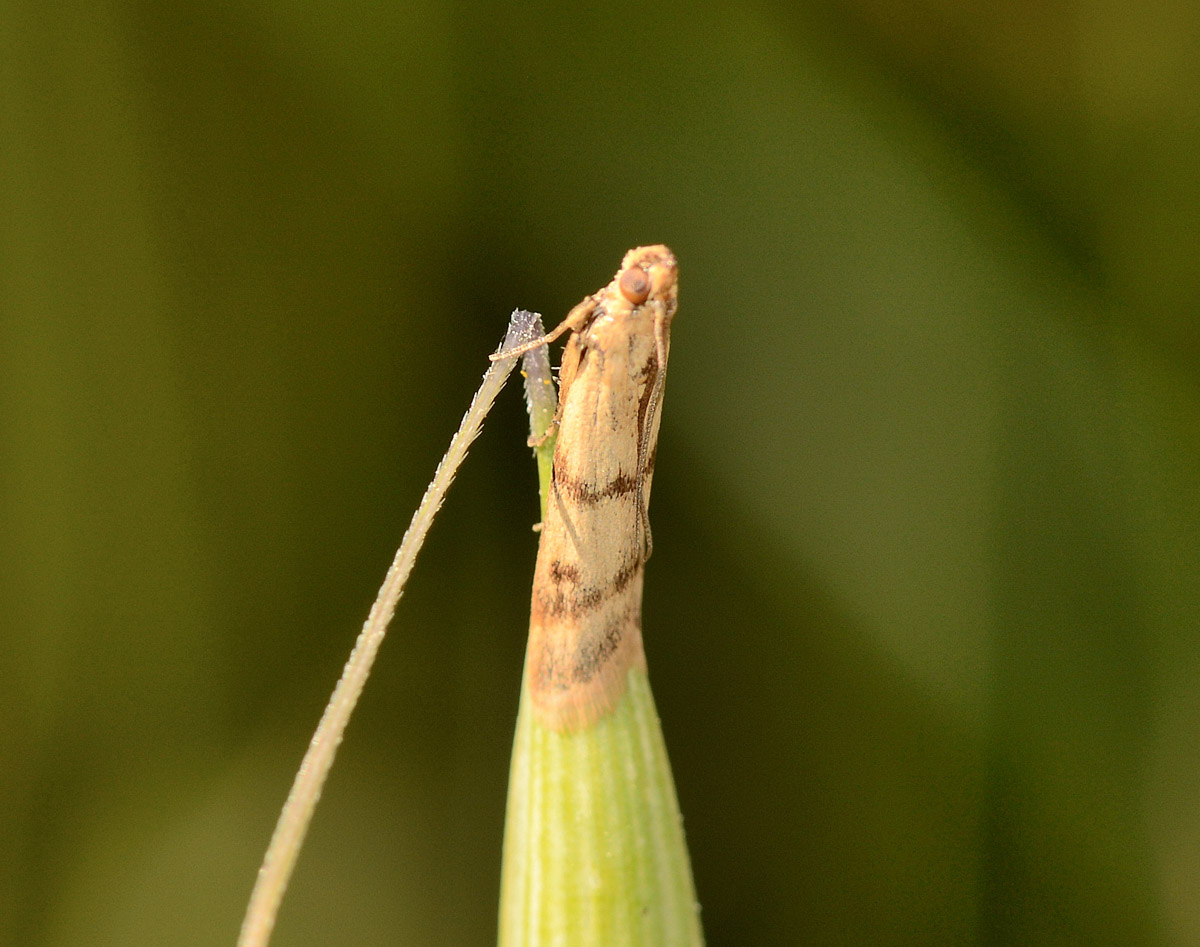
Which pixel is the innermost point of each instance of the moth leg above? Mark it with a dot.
(541, 439)
(574, 322)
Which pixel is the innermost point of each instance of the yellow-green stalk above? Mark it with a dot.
(541, 400)
(594, 853)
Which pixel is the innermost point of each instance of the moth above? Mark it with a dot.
(585, 618)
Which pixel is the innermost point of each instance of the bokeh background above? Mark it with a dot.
(923, 617)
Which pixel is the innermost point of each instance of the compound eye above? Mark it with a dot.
(635, 285)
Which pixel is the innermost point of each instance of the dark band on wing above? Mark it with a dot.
(558, 670)
(569, 601)
(582, 493)
(564, 573)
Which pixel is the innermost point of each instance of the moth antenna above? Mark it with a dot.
(660, 377)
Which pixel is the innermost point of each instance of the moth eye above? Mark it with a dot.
(635, 285)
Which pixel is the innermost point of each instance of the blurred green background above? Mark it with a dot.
(923, 617)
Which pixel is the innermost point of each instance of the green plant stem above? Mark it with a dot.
(541, 399)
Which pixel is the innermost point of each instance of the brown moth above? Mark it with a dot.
(585, 623)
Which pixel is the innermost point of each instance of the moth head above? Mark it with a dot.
(649, 276)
